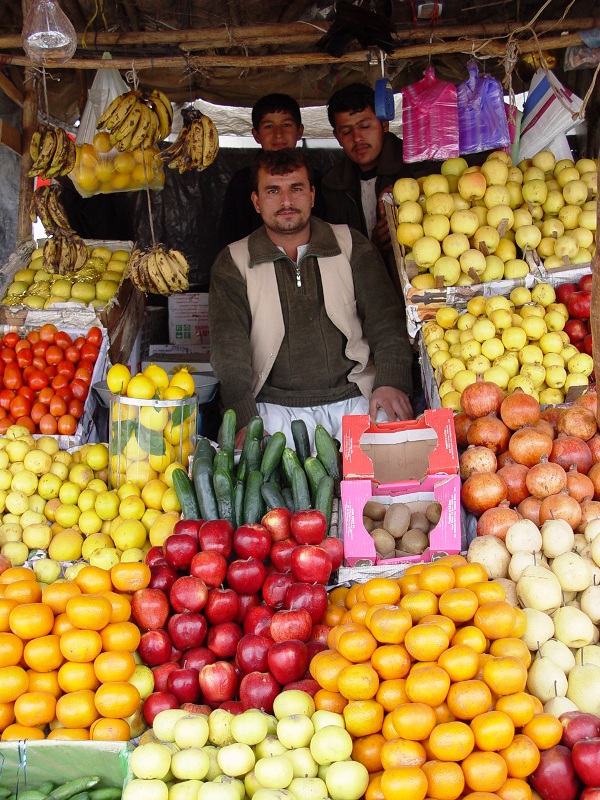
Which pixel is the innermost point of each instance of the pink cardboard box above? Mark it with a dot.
(389, 452)
(359, 548)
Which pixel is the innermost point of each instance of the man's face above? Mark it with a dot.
(284, 201)
(361, 136)
(277, 130)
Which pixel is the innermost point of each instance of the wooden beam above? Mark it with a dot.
(10, 137)
(10, 90)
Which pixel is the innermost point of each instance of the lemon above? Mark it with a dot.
(150, 517)
(141, 388)
(184, 380)
(107, 505)
(47, 444)
(124, 163)
(87, 499)
(89, 522)
(67, 515)
(101, 142)
(162, 528)
(63, 457)
(175, 434)
(130, 533)
(69, 492)
(66, 545)
(160, 463)
(80, 474)
(169, 501)
(140, 472)
(129, 489)
(157, 375)
(97, 457)
(6, 479)
(97, 485)
(105, 558)
(152, 494)
(132, 554)
(168, 478)
(118, 378)
(154, 418)
(16, 502)
(96, 541)
(174, 393)
(132, 507)
(60, 470)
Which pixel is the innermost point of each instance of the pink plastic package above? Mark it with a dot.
(429, 119)
(482, 123)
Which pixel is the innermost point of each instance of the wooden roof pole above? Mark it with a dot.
(595, 304)
(28, 126)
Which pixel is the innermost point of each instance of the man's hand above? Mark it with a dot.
(381, 236)
(394, 402)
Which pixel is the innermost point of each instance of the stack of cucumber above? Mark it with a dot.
(268, 474)
(76, 789)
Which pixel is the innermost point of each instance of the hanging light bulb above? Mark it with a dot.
(48, 36)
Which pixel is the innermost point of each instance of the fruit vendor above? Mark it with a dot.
(304, 320)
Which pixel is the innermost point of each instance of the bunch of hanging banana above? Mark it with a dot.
(135, 119)
(52, 151)
(46, 205)
(157, 271)
(197, 145)
(64, 252)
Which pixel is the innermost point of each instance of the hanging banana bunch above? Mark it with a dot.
(135, 119)
(197, 145)
(63, 253)
(52, 151)
(46, 205)
(157, 271)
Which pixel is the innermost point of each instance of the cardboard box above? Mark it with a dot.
(25, 765)
(188, 319)
(445, 538)
(390, 452)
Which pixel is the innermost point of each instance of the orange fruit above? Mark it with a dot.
(493, 730)
(520, 624)
(414, 569)
(408, 583)
(17, 732)
(70, 734)
(62, 624)
(374, 788)
(392, 693)
(443, 713)
(129, 576)
(24, 591)
(419, 603)
(43, 682)
(467, 574)
(334, 614)
(367, 751)
(11, 649)
(93, 580)
(363, 717)
(453, 559)
(7, 715)
(390, 625)
(110, 730)
(544, 730)
(514, 789)
(459, 604)
(488, 591)
(13, 682)
(121, 607)
(329, 701)
(483, 659)
(461, 662)
(351, 597)
(445, 780)
(520, 707)
(495, 619)
(89, 611)
(387, 729)
(437, 578)
(114, 665)
(472, 636)
(43, 654)
(391, 661)
(505, 675)
(428, 685)
(426, 642)
(467, 699)
(13, 574)
(511, 647)
(414, 721)
(357, 646)
(444, 622)
(76, 709)
(73, 676)
(120, 636)
(451, 741)
(30, 620)
(336, 596)
(56, 595)
(381, 590)
(402, 753)
(358, 612)
(358, 682)
(35, 708)
(521, 756)
(325, 668)
(117, 700)
(80, 646)
(404, 783)
(6, 606)
(484, 771)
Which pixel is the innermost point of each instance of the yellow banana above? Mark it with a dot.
(129, 124)
(47, 148)
(196, 144)
(162, 97)
(143, 125)
(210, 141)
(152, 133)
(155, 276)
(128, 100)
(108, 112)
(181, 268)
(125, 144)
(170, 272)
(34, 145)
(70, 159)
(164, 117)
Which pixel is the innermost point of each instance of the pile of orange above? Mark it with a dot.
(429, 673)
(66, 654)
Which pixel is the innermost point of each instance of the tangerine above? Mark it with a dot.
(129, 576)
(390, 625)
(467, 574)
(496, 619)
(544, 730)
(374, 788)
(13, 574)
(426, 642)
(419, 604)
(511, 647)
(387, 729)
(451, 741)
(93, 580)
(43, 682)
(445, 780)
(460, 661)
(467, 699)
(70, 734)
(117, 700)
(13, 682)
(89, 611)
(471, 636)
(76, 709)
(367, 751)
(488, 591)
(408, 583)
(358, 612)
(110, 730)
(121, 606)
(363, 717)
(80, 645)
(391, 661)
(56, 595)
(74, 675)
(357, 646)
(325, 668)
(6, 606)
(43, 654)
(520, 624)
(392, 693)
(459, 604)
(444, 622)
(11, 649)
(428, 685)
(62, 624)
(484, 771)
(114, 665)
(493, 730)
(7, 715)
(35, 708)
(358, 682)
(404, 783)
(28, 591)
(381, 590)
(30, 620)
(329, 701)
(414, 721)
(437, 578)
(402, 753)
(520, 707)
(17, 732)
(505, 675)
(514, 789)
(521, 756)
(120, 636)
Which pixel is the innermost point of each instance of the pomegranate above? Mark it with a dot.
(481, 491)
(571, 451)
(481, 398)
(546, 478)
(561, 506)
(528, 445)
(530, 509)
(519, 409)
(514, 476)
(579, 486)
(462, 423)
(496, 521)
(476, 459)
(490, 432)
(577, 421)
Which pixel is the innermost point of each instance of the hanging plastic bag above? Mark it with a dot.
(100, 168)
(550, 110)
(429, 119)
(482, 121)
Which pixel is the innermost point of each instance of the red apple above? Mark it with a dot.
(216, 535)
(258, 620)
(218, 682)
(275, 587)
(575, 330)
(179, 549)
(155, 647)
(308, 527)
(251, 653)
(187, 629)
(252, 541)
(319, 633)
(295, 624)
(183, 683)
(281, 554)
(564, 291)
(258, 690)
(197, 657)
(162, 577)
(196, 708)
(155, 556)
(210, 567)
(150, 609)
(188, 594)
(585, 283)
(277, 522)
(288, 660)
(246, 602)
(314, 647)
(161, 673)
(311, 563)
(223, 639)
(156, 702)
(311, 596)
(555, 777)
(586, 760)
(335, 548)
(307, 685)
(191, 526)
(579, 305)
(246, 575)
(222, 606)
(233, 706)
(176, 655)
(590, 793)
(587, 344)
(578, 725)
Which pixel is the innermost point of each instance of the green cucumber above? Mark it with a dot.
(204, 449)
(228, 428)
(222, 461)
(324, 497)
(32, 794)
(5, 792)
(106, 793)
(80, 796)
(300, 490)
(327, 452)
(301, 440)
(253, 502)
(254, 432)
(314, 472)
(272, 454)
(272, 496)
(73, 788)
(251, 460)
(289, 462)
(238, 501)
(203, 484)
(46, 787)
(223, 487)
(184, 489)
(288, 498)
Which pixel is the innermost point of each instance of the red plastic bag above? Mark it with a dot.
(429, 119)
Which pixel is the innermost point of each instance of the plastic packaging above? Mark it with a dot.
(482, 123)
(429, 119)
(101, 168)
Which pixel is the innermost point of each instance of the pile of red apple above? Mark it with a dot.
(578, 299)
(230, 618)
(571, 770)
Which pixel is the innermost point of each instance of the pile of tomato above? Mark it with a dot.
(45, 378)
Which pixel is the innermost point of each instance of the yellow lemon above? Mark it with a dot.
(160, 463)
(150, 517)
(152, 494)
(140, 472)
(118, 378)
(174, 434)
(67, 515)
(128, 489)
(97, 485)
(162, 528)
(97, 457)
(141, 388)
(87, 499)
(66, 545)
(184, 380)
(174, 393)
(168, 477)
(107, 505)
(89, 522)
(130, 533)
(132, 507)
(96, 541)
(124, 163)
(157, 375)
(169, 501)
(133, 452)
(101, 142)
(154, 418)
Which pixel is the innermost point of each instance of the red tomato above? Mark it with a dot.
(83, 374)
(7, 355)
(47, 333)
(38, 380)
(25, 391)
(33, 337)
(87, 364)
(65, 393)
(75, 409)
(27, 373)
(94, 336)
(47, 424)
(59, 382)
(10, 339)
(46, 395)
(80, 389)
(12, 377)
(37, 412)
(27, 422)
(54, 355)
(63, 340)
(89, 352)
(20, 406)
(22, 344)
(58, 406)
(67, 424)
(72, 354)
(25, 357)
(39, 363)
(39, 349)
(51, 372)
(79, 342)
(6, 395)
(2, 413)
(1, 367)
(66, 368)
(5, 424)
